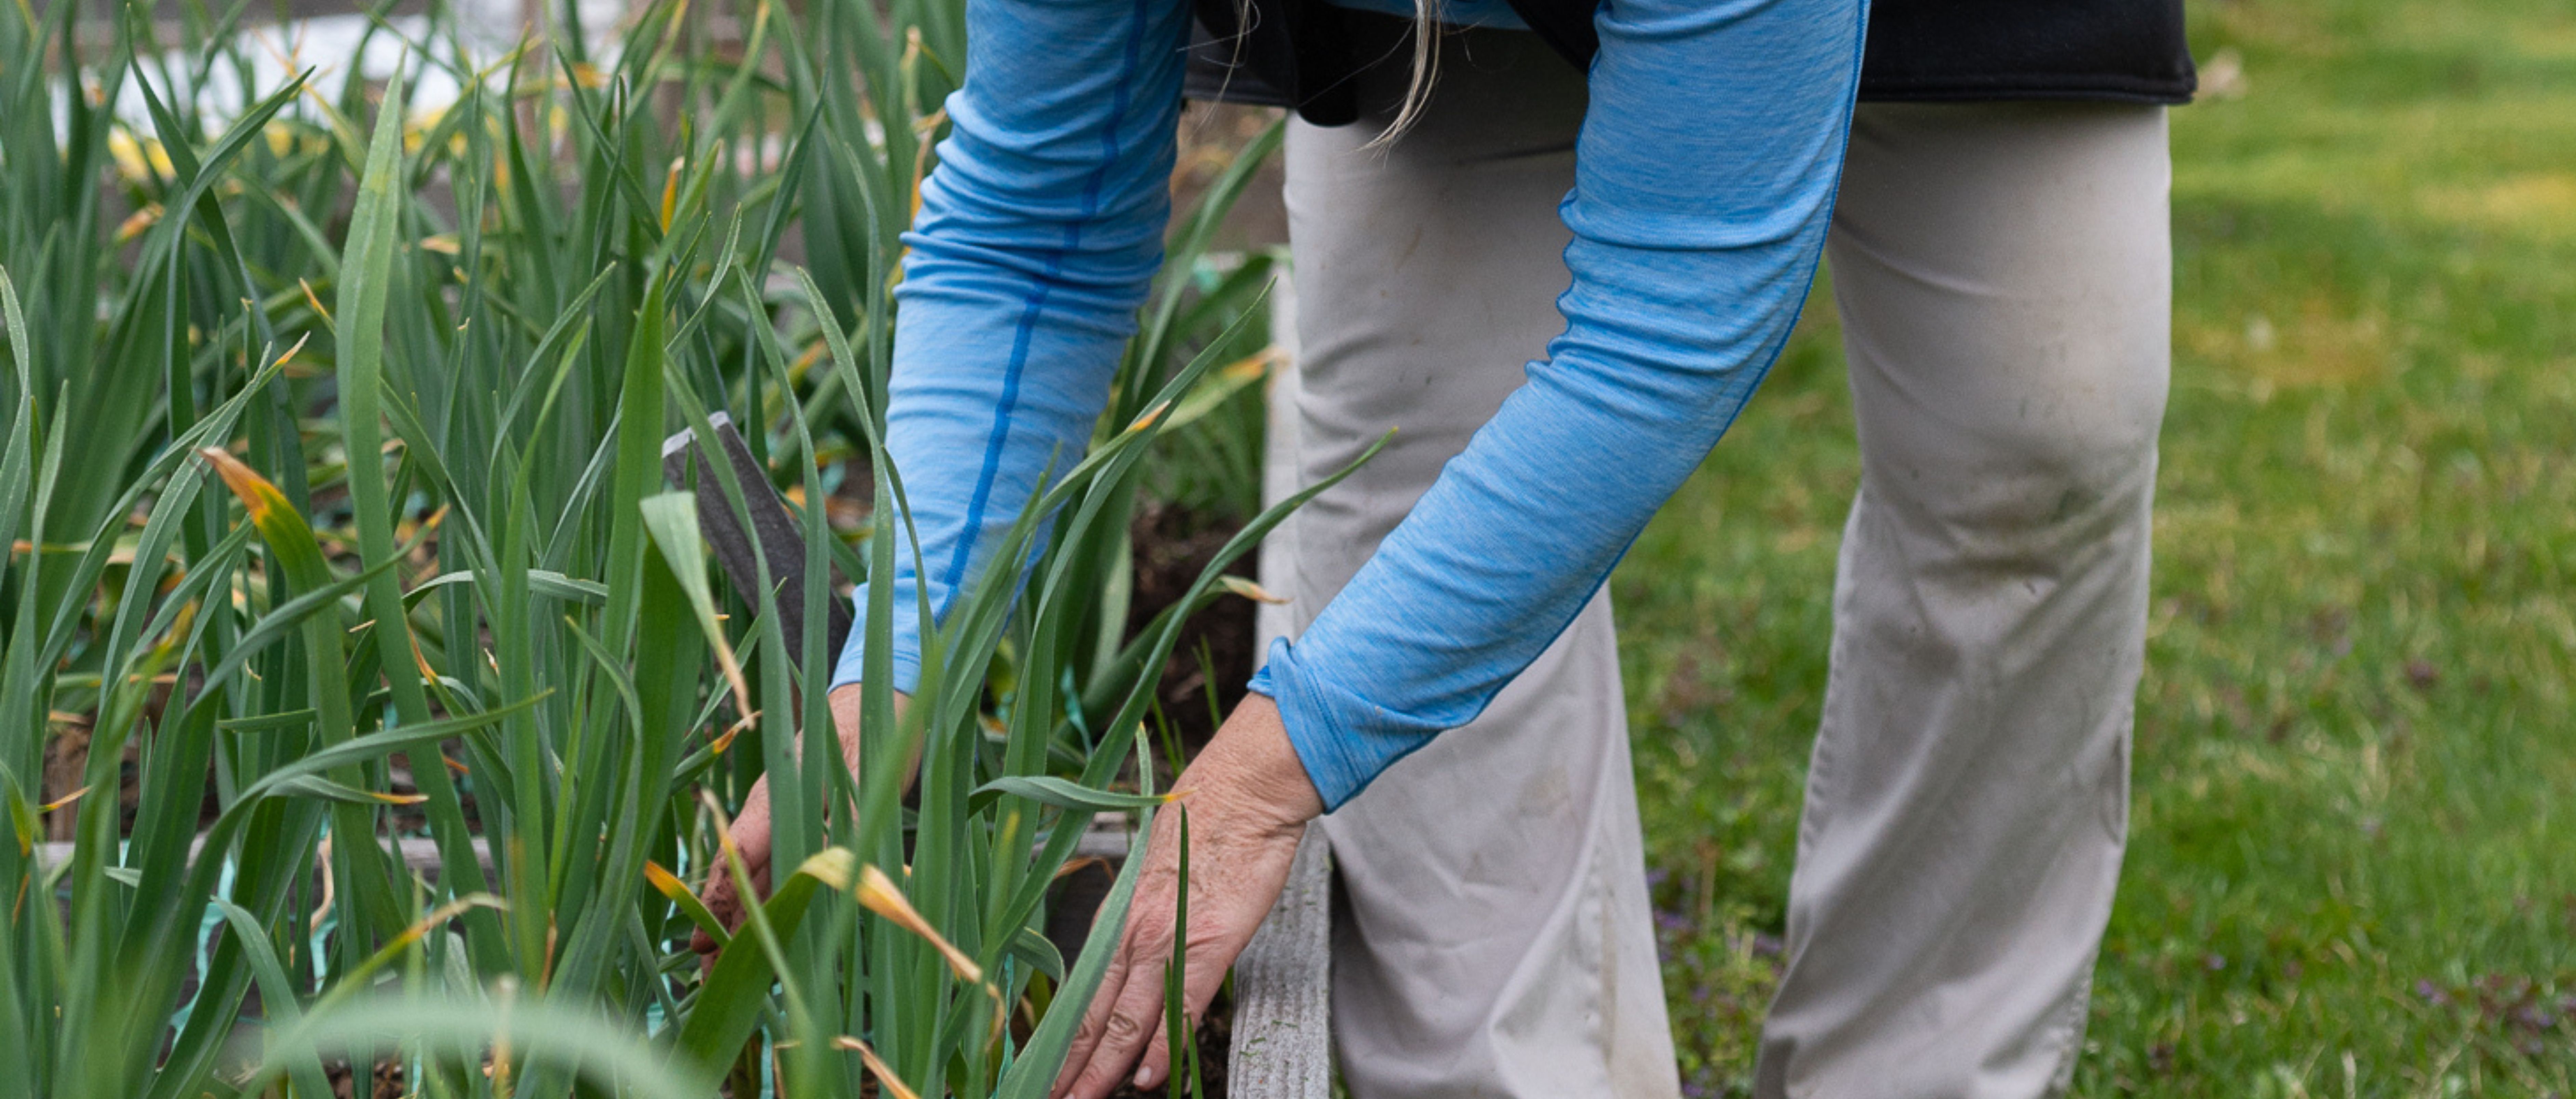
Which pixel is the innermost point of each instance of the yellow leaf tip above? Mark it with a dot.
(1252, 591)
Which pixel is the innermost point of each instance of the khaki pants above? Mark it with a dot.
(2002, 273)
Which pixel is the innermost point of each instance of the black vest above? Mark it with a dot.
(1303, 53)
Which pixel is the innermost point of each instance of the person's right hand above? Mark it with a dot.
(1249, 798)
(750, 830)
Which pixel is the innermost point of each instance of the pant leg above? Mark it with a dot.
(2003, 273)
(1493, 935)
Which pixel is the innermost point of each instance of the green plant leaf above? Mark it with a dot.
(1034, 1071)
(678, 892)
(1035, 949)
(1063, 793)
(277, 993)
(734, 997)
(671, 518)
(618, 1061)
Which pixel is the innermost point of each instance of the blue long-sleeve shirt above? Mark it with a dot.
(1704, 176)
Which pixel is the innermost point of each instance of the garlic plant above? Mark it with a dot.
(332, 473)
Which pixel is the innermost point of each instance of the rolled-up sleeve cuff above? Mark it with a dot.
(853, 664)
(1340, 754)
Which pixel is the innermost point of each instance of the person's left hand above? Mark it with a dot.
(1249, 800)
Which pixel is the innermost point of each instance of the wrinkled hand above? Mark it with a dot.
(1249, 800)
(750, 830)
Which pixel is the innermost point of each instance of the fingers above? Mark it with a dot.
(1101, 1017)
(719, 900)
(1126, 1026)
(1137, 1019)
(1130, 1015)
(1128, 1004)
(749, 836)
(1148, 918)
(750, 832)
(719, 897)
(724, 898)
(1095, 1016)
(1246, 836)
(1157, 1061)
(724, 894)
(1205, 972)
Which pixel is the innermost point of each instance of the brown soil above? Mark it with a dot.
(385, 1082)
(1172, 547)
(1215, 1037)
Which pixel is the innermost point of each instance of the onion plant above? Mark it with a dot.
(331, 475)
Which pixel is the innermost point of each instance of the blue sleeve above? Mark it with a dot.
(1704, 177)
(1037, 239)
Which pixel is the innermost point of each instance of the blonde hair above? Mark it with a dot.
(1417, 90)
(1426, 71)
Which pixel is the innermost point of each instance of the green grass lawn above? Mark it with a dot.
(2350, 871)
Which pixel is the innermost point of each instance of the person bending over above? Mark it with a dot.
(1981, 273)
